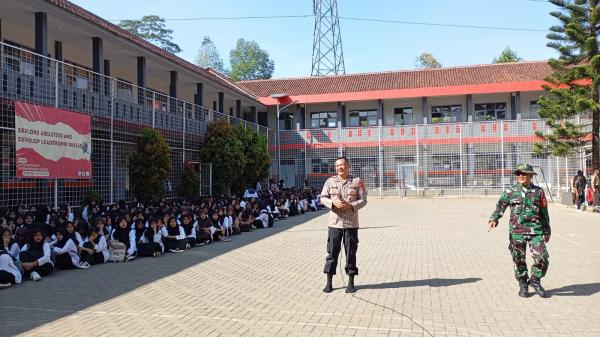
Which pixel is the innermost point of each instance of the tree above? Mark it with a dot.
(225, 151)
(152, 28)
(208, 56)
(427, 61)
(256, 151)
(149, 166)
(573, 87)
(249, 62)
(190, 181)
(507, 56)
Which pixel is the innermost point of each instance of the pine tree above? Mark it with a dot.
(573, 87)
(208, 56)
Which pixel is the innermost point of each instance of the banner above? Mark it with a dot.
(52, 143)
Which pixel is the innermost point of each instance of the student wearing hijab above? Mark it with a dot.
(217, 230)
(175, 238)
(150, 243)
(94, 249)
(73, 234)
(203, 225)
(35, 256)
(65, 252)
(9, 272)
(9, 245)
(190, 230)
(21, 237)
(123, 234)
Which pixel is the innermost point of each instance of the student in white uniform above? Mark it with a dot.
(123, 234)
(189, 229)
(35, 256)
(9, 244)
(174, 235)
(150, 243)
(65, 252)
(9, 272)
(94, 249)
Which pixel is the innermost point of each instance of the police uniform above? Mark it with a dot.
(529, 223)
(343, 224)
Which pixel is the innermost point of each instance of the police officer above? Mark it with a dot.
(344, 195)
(529, 223)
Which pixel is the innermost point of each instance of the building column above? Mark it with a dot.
(199, 95)
(41, 41)
(107, 78)
(141, 79)
(302, 110)
(516, 105)
(238, 108)
(173, 90)
(58, 55)
(341, 114)
(97, 61)
(380, 111)
(254, 114)
(425, 110)
(470, 116)
(221, 102)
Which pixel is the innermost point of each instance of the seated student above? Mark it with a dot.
(103, 230)
(263, 220)
(122, 234)
(9, 272)
(35, 256)
(94, 249)
(246, 219)
(226, 222)
(21, 237)
(150, 243)
(174, 235)
(284, 209)
(65, 252)
(136, 234)
(9, 245)
(203, 225)
(73, 234)
(230, 220)
(216, 228)
(190, 230)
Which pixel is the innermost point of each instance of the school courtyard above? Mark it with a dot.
(427, 267)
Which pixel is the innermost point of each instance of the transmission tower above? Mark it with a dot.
(328, 57)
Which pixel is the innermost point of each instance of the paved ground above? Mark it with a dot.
(427, 267)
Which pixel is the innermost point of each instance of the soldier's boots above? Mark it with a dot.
(537, 286)
(523, 288)
(350, 288)
(328, 287)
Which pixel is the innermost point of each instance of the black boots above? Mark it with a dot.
(537, 286)
(523, 288)
(328, 288)
(350, 288)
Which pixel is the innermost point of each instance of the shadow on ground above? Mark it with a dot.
(576, 290)
(434, 282)
(28, 305)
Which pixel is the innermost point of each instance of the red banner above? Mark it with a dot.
(52, 143)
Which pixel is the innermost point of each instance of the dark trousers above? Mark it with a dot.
(245, 227)
(43, 270)
(6, 277)
(334, 242)
(148, 249)
(92, 259)
(63, 261)
(580, 200)
(174, 244)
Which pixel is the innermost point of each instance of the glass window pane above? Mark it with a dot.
(354, 121)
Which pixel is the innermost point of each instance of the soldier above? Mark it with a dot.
(344, 195)
(529, 222)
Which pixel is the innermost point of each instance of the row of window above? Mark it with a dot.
(404, 116)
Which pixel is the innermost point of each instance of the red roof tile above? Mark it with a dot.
(122, 33)
(407, 79)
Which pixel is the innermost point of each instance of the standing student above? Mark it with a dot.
(150, 243)
(65, 252)
(94, 249)
(35, 256)
(175, 238)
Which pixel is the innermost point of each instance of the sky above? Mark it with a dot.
(367, 46)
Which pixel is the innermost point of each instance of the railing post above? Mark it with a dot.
(184, 131)
(112, 143)
(153, 110)
(460, 143)
(380, 155)
(56, 106)
(502, 154)
(210, 179)
(340, 149)
(417, 157)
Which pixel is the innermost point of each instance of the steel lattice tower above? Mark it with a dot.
(328, 57)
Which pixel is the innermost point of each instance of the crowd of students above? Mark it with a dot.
(37, 240)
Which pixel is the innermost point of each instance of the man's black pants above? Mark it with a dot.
(334, 242)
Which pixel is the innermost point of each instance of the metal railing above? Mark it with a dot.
(119, 111)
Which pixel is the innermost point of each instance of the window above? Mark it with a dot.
(534, 107)
(323, 165)
(490, 111)
(124, 90)
(403, 116)
(323, 120)
(363, 118)
(286, 121)
(446, 113)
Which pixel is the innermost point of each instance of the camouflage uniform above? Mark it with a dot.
(529, 222)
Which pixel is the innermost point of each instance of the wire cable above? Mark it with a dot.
(377, 304)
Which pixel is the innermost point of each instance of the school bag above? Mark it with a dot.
(117, 250)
